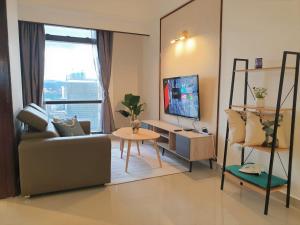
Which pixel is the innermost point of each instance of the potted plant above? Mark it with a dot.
(260, 94)
(133, 109)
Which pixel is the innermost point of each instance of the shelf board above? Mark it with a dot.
(164, 135)
(249, 185)
(260, 109)
(266, 69)
(263, 149)
(165, 146)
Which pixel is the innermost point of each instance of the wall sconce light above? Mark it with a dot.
(184, 35)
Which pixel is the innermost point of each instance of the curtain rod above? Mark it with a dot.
(115, 31)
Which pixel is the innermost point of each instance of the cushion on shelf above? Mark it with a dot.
(236, 122)
(68, 127)
(33, 118)
(260, 181)
(260, 128)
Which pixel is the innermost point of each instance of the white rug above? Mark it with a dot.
(144, 166)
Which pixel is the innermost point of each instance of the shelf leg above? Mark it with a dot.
(191, 166)
(227, 129)
(292, 131)
(278, 105)
(225, 158)
(243, 157)
(267, 200)
(210, 164)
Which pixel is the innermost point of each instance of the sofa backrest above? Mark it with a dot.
(50, 132)
(34, 118)
(35, 106)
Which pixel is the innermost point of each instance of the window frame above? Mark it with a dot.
(79, 40)
(51, 37)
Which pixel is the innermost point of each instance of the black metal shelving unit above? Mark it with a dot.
(272, 150)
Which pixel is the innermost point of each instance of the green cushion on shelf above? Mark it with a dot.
(260, 180)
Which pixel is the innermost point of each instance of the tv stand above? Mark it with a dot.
(188, 145)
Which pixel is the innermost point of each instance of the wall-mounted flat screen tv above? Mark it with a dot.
(181, 96)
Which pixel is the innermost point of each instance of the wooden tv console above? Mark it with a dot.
(188, 145)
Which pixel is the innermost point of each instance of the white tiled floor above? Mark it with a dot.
(181, 199)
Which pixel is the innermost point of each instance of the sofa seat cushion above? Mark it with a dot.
(68, 127)
(33, 118)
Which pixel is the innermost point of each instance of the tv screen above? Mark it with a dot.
(181, 96)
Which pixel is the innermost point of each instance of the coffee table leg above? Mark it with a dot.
(157, 153)
(122, 142)
(138, 147)
(128, 154)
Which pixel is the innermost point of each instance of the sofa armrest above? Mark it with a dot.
(62, 163)
(86, 126)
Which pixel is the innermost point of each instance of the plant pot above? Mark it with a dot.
(135, 125)
(260, 102)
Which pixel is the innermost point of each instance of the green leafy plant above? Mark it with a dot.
(260, 92)
(133, 105)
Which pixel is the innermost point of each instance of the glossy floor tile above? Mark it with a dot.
(181, 199)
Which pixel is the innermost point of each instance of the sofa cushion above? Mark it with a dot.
(68, 127)
(33, 118)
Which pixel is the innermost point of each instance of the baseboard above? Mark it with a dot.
(280, 196)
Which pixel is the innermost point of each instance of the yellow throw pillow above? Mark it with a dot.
(236, 124)
(255, 135)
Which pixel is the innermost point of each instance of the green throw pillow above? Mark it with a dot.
(68, 127)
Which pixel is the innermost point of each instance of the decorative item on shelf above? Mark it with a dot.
(252, 168)
(134, 109)
(184, 35)
(260, 94)
(258, 63)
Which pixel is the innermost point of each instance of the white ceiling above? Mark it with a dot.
(143, 10)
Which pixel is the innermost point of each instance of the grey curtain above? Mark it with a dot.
(32, 53)
(104, 50)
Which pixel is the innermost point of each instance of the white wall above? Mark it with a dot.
(126, 71)
(260, 29)
(197, 55)
(63, 16)
(148, 88)
(14, 54)
(119, 15)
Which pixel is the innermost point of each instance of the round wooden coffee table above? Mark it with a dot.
(126, 134)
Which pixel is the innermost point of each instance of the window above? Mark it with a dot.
(71, 84)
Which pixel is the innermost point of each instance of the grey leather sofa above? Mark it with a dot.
(49, 163)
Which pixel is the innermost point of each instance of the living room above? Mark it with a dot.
(149, 112)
